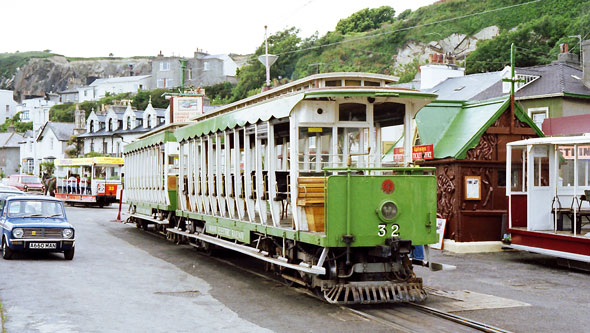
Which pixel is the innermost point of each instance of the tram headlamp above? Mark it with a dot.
(388, 210)
(18, 233)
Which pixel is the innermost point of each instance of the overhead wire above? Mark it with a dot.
(409, 28)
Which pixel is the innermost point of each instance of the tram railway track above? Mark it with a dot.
(407, 317)
(412, 317)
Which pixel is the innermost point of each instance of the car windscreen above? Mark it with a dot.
(31, 179)
(34, 208)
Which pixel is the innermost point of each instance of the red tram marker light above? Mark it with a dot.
(387, 186)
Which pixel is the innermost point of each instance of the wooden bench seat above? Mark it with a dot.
(310, 196)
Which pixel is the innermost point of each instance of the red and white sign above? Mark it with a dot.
(186, 108)
(423, 152)
(567, 152)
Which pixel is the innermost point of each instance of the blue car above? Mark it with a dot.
(35, 223)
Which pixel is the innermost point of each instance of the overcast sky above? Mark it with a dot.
(85, 28)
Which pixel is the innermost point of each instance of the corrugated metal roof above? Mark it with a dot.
(455, 127)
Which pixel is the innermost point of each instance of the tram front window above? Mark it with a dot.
(99, 172)
(353, 142)
(315, 144)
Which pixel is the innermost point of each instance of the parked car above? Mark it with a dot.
(26, 183)
(35, 223)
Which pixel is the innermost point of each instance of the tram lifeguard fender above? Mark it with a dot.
(277, 108)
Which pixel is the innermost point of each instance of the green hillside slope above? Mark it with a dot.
(536, 27)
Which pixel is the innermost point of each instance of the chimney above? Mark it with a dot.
(586, 62)
(563, 48)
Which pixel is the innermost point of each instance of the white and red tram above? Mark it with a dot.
(548, 189)
(89, 181)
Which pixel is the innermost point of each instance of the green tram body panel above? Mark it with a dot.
(413, 195)
(241, 230)
(145, 208)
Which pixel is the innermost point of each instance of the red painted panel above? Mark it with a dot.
(549, 241)
(519, 217)
(567, 125)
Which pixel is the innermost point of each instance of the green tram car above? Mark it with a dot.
(295, 177)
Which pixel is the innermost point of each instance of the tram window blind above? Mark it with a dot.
(352, 112)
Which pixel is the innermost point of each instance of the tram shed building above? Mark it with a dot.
(469, 143)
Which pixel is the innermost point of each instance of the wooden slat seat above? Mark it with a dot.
(311, 197)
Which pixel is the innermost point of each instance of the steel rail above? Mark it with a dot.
(428, 310)
(458, 319)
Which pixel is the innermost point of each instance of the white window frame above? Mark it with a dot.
(543, 109)
(169, 83)
(164, 66)
(161, 83)
(205, 65)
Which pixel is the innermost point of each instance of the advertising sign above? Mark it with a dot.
(567, 152)
(186, 108)
(423, 152)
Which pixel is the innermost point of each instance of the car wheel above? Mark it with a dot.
(6, 251)
(69, 254)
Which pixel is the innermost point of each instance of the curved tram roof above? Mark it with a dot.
(279, 102)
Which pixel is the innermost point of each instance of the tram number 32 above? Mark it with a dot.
(383, 230)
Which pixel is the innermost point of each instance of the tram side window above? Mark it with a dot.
(315, 144)
(541, 166)
(518, 177)
(565, 156)
(583, 165)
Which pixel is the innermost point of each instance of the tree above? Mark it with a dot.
(537, 43)
(252, 76)
(141, 99)
(62, 112)
(15, 121)
(366, 19)
(220, 93)
(48, 167)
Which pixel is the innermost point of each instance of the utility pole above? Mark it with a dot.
(512, 81)
(267, 59)
(318, 64)
(266, 56)
(182, 69)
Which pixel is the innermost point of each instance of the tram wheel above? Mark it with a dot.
(208, 249)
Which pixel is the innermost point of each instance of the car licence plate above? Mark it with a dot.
(42, 245)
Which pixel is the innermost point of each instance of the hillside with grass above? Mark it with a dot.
(374, 40)
(377, 40)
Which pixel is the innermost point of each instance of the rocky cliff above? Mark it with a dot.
(57, 73)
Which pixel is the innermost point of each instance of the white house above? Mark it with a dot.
(108, 131)
(100, 87)
(35, 110)
(7, 105)
(68, 96)
(48, 144)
